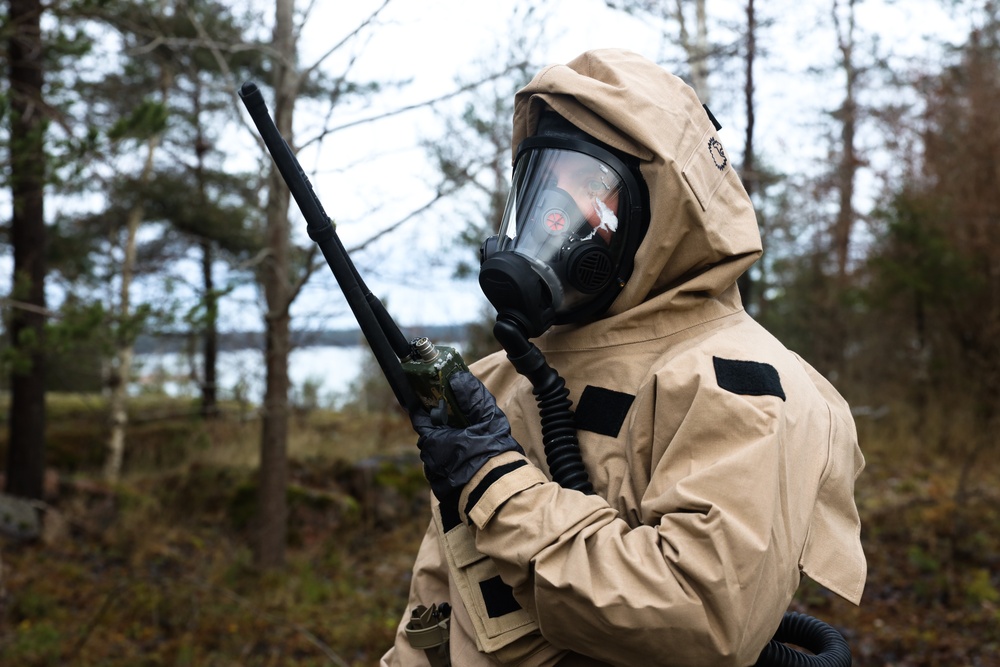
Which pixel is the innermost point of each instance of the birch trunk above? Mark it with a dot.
(124, 350)
(696, 49)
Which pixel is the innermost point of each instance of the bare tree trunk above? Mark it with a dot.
(210, 337)
(271, 526)
(26, 447)
(746, 282)
(210, 331)
(122, 366)
(697, 50)
(844, 21)
(699, 67)
(833, 334)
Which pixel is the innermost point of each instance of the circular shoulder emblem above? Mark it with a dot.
(718, 153)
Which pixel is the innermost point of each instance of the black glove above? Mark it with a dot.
(452, 456)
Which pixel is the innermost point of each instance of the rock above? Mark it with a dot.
(19, 517)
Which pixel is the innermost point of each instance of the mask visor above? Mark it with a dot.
(563, 214)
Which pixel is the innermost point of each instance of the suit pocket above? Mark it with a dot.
(498, 619)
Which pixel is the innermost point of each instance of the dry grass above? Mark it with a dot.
(158, 571)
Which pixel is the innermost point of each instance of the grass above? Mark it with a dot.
(157, 570)
(933, 546)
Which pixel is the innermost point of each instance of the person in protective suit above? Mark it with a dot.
(719, 465)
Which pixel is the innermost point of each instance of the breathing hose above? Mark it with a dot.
(562, 449)
(829, 646)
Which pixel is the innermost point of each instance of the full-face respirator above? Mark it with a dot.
(576, 214)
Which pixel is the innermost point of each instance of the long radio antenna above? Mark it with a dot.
(383, 335)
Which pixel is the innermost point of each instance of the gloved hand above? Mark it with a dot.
(452, 456)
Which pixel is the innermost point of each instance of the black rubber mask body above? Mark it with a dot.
(518, 291)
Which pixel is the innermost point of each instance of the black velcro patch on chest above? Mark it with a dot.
(498, 596)
(748, 378)
(602, 411)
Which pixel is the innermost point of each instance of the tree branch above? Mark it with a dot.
(411, 107)
(333, 49)
(28, 307)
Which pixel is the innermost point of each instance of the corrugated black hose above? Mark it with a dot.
(562, 450)
(829, 647)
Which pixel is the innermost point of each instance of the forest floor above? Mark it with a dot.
(157, 569)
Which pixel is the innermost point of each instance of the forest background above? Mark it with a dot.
(222, 528)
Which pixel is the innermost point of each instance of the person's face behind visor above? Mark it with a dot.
(548, 173)
(592, 186)
(563, 214)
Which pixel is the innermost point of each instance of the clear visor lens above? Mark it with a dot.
(557, 193)
(560, 199)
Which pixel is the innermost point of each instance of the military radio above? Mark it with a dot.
(417, 370)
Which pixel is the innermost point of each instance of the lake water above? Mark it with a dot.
(331, 370)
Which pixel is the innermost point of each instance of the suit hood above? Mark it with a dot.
(703, 230)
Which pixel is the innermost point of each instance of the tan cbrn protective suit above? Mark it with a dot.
(723, 464)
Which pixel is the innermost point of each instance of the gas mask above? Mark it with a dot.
(573, 222)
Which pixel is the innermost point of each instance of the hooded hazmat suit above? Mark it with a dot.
(723, 464)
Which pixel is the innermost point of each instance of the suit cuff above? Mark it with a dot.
(502, 477)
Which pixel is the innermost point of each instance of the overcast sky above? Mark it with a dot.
(433, 42)
(370, 176)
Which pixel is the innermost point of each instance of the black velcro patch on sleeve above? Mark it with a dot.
(748, 378)
(602, 411)
(449, 511)
(498, 596)
(487, 481)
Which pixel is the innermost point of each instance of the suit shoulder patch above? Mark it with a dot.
(748, 378)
